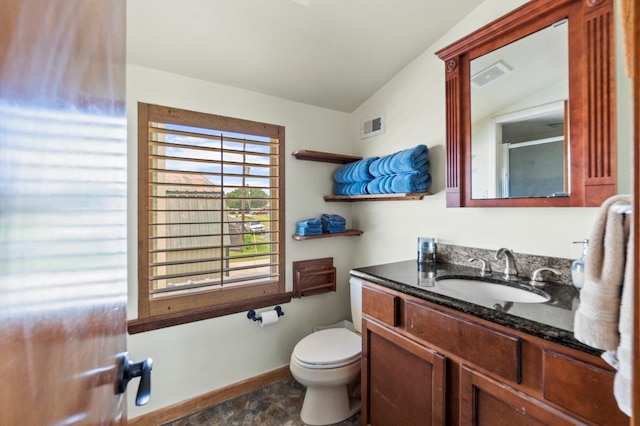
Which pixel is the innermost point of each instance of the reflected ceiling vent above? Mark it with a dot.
(489, 75)
(372, 126)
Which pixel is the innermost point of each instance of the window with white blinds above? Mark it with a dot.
(211, 209)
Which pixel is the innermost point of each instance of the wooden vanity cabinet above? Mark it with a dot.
(404, 381)
(424, 364)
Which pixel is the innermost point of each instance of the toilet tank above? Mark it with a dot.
(355, 285)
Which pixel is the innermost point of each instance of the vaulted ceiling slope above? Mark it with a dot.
(330, 53)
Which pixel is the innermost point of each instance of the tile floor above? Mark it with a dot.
(277, 404)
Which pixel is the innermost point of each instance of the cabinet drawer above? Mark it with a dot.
(380, 305)
(582, 388)
(490, 349)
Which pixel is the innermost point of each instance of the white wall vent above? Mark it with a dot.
(372, 126)
(489, 75)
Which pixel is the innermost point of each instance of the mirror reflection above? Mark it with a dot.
(519, 103)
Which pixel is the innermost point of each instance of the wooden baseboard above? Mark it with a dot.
(209, 399)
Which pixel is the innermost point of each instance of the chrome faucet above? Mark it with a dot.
(510, 268)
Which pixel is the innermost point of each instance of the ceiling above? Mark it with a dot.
(330, 53)
(537, 66)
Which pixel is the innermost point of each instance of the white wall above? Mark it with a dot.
(414, 103)
(190, 360)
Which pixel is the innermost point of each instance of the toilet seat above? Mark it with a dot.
(329, 348)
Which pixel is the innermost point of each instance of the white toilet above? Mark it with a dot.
(327, 362)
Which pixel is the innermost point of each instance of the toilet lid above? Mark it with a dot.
(329, 348)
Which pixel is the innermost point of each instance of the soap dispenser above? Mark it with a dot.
(577, 266)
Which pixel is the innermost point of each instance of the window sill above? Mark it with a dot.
(141, 325)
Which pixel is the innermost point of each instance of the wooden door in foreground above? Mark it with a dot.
(62, 211)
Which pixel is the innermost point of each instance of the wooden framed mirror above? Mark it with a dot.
(531, 108)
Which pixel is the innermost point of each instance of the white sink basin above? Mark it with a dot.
(493, 291)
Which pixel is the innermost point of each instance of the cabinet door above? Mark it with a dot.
(488, 402)
(403, 382)
(582, 388)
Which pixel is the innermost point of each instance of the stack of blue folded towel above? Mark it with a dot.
(307, 227)
(328, 224)
(333, 223)
(352, 178)
(406, 171)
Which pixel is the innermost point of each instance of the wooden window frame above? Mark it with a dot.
(155, 313)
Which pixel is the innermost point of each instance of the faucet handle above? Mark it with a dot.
(485, 268)
(536, 276)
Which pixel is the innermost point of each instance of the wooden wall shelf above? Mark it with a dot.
(376, 197)
(347, 233)
(328, 157)
(324, 157)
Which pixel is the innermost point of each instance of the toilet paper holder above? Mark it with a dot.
(252, 314)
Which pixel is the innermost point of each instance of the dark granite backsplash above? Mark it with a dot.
(526, 263)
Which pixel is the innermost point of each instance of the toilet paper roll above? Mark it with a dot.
(268, 318)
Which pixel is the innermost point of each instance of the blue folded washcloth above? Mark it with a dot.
(311, 226)
(310, 222)
(328, 229)
(308, 228)
(354, 188)
(332, 218)
(333, 223)
(357, 171)
(308, 232)
(328, 226)
(408, 160)
(400, 183)
(305, 226)
(333, 230)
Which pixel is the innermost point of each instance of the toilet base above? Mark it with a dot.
(318, 398)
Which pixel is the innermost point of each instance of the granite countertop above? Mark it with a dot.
(552, 320)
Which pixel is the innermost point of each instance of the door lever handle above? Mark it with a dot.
(128, 369)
